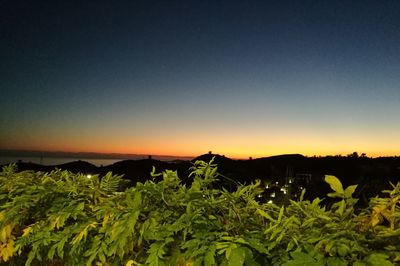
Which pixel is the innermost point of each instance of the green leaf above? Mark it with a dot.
(60, 247)
(324, 217)
(110, 182)
(280, 216)
(335, 261)
(156, 252)
(265, 215)
(377, 259)
(237, 257)
(359, 263)
(341, 207)
(335, 183)
(257, 245)
(309, 222)
(335, 195)
(51, 252)
(343, 250)
(302, 259)
(348, 193)
(209, 258)
(101, 256)
(131, 221)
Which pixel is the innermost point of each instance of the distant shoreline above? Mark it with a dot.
(89, 155)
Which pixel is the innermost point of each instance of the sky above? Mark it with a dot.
(239, 78)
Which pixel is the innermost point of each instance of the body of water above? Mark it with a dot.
(55, 160)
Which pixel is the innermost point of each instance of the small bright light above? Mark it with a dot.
(259, 195)
(270, 201)
(272, 195)
(89, 176)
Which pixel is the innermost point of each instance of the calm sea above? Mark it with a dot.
(55, 160)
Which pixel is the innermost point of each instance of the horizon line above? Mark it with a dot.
(117, 154)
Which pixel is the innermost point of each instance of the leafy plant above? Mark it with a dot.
(61, 218)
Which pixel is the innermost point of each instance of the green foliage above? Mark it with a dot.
(336, 186)
(61, 218)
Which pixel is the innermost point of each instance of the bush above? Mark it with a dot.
(61, 218)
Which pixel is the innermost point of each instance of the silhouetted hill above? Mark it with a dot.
(218, 159)
(136, 170)
(284, 157)
(79, 167)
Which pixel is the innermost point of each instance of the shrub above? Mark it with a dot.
(61, 218)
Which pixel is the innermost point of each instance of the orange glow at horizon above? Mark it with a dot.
(239, 145)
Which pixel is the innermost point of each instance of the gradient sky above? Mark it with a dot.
(240, 78)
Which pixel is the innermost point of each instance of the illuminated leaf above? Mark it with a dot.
(7, 250)
(265, 215)
(27, 231)
(237, 257)
(5, 233)
(348, 193)
(334, 183)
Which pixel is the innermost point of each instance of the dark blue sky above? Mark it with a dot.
(243, 78)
